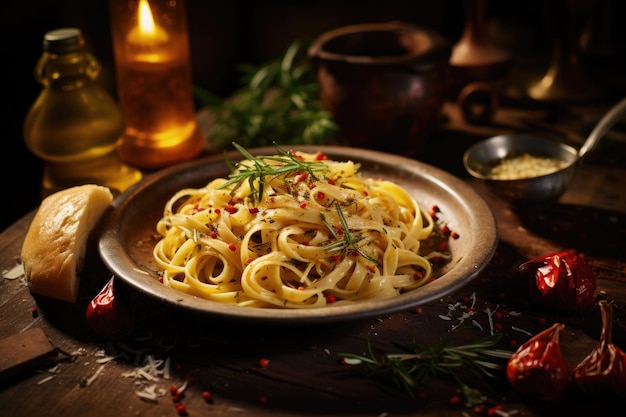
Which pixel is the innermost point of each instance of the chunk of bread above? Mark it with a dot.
(54, 248)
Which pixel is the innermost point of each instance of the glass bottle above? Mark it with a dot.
(74, 125)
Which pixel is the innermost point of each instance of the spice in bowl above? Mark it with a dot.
(525, 166)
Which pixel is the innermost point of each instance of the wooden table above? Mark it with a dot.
(304, 375)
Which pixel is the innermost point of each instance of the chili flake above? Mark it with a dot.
(208, 397)
(319, 156)
(301, 176)
(181, 409)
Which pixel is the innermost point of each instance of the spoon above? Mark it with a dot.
(604, 125)
(482, 156)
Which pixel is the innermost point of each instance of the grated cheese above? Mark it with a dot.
(237, 409)
(525, 166)
(16, 272)
(150, 393)
(85, 382)
(107, 359)
(521, 330)
(490, 318)
(46, 379)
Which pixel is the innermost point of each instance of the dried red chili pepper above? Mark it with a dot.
(603, 371)
(561, 280)
(108, 315)
(538, 369)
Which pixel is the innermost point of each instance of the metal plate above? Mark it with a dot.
(129, 234)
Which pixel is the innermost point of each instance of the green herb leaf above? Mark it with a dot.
(264, 168)
(279, 102)
(349, 242)
(415, 366)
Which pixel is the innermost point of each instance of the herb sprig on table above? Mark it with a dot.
(278, 102)
(413, 368)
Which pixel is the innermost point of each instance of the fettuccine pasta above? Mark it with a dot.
(293, 230)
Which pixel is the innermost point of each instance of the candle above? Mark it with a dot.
(147, 40)
(152, 62)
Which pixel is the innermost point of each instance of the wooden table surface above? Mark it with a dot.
(304, 376)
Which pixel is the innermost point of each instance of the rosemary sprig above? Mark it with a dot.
(277, 101)
(262, 167)
(349, 242)
(408, 371)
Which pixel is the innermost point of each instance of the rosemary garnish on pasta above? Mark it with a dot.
(284, 164)
(349, 241)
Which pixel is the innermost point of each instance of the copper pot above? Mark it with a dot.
(384, 83)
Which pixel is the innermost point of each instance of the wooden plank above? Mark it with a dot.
(23, 351)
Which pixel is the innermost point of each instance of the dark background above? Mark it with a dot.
(226, 33)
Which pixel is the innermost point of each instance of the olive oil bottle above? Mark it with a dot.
(74, 125)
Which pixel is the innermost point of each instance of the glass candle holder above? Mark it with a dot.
(154, 82)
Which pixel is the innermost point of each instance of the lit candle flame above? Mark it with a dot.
(147, 31)
(146, 20)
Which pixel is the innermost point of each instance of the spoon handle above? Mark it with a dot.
(603, 126)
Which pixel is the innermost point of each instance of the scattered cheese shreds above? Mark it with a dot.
(107, 359)
(237, 409)
(167, 366)
(146, 375)
(85, 382)
(16, 272)
(46, 379)
(521, 330)
(150, 393)
(183, 387)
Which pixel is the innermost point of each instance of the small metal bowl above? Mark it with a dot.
(481, 157)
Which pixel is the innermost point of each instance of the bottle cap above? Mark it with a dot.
(63, 40)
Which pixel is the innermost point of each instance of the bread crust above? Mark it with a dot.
(53, 252)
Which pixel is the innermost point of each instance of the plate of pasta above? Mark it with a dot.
(308, 234)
